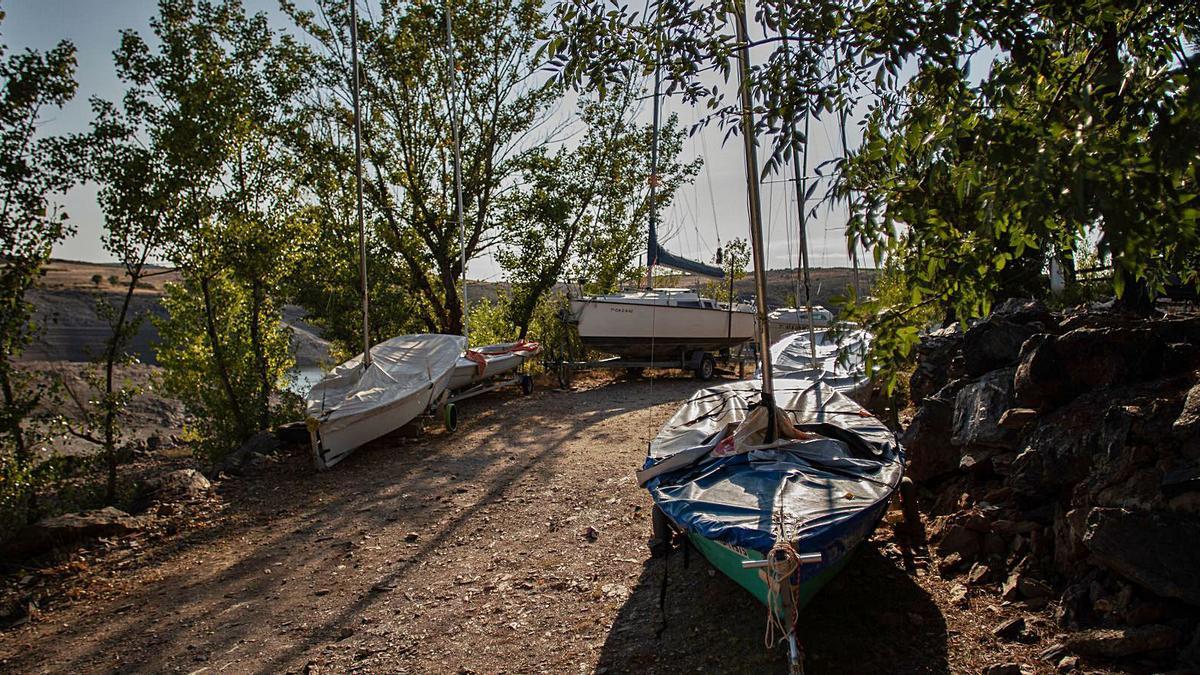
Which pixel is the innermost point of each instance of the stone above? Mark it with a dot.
(1188, 422)
(977, 410)
(180, 485)
(262, 443)
(1159, 551)
(937, 355)
(1032, 588)
(926, 441)
(1016, 419)
(1010, 590)
(70, 529)
(949, 564)
(1023, 311)
(1067, 664)
(978, 574)
(1116, 643)
(411, 537)
(959, 539)
(1038, 381)
(959, 595)
(993, 343)
(1010, 630)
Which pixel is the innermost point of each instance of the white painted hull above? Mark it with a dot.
(466, 373)
(331, 445)
(656, 330)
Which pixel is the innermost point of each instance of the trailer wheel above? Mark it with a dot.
(450, 417)
(526, 385)
(707, 368)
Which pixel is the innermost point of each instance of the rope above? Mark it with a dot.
(782, 563)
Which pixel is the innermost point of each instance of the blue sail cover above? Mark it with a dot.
(660, 256)
(830, 488)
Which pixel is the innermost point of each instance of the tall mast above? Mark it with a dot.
(800, 169)
(358, 193)
(845, 154)
(652, 239)
(458, 198)
(755, 198)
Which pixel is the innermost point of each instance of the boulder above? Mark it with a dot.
(1039, 381)
(1024, 311)
(263, 443)
(938, 362)
(993, 343)
(961, 540)
(1187, 425)
(1017, 418)
(181, 485)
(1006, 669)
(977, 410)
(1116, 643)
(1158, 551)
(70, 529)
(927, 441)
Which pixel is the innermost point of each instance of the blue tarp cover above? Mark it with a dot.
(830, 490)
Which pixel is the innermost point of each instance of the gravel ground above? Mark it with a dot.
(515, 545)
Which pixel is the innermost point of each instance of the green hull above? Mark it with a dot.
(729, 562)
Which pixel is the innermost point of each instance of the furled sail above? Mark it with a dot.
(661, 256)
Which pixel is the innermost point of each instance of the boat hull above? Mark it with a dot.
(331, 444)
(658, 332)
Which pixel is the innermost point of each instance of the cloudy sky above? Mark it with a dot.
(710, 210)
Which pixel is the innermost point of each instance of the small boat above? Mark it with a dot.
(663, 324)
(479, 367)
(839, 357)
(792, 319)
(405, 377)
(821, 486)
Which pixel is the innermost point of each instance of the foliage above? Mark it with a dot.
(406, 133)
(211, 103)
(490, 321)
(191, 372)
(33, 167)
(734, 259)
(995, 134)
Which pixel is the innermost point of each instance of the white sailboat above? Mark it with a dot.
(665, 324)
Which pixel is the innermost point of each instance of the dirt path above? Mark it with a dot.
(472, 553)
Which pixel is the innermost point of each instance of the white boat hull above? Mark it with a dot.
(658, 331)
(332, 445)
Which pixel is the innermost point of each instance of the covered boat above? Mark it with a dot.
(820, 487)
(406, 376)
(836, 355)
(791, 319)
(483, 369)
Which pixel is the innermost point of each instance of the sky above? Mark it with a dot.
(713, 209)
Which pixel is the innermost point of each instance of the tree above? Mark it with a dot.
(212, 101)
(734, 260)
(33, 167)
(597, 191)
(1083, 119)
(407, 148)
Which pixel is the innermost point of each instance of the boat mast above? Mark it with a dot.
(362, 234)
(458, 197)
(652, 239)
(755, 198)
(800, 169)
(845, 155)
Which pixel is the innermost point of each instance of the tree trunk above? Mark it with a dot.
(219, 360)
(110, 408)
(260, 357)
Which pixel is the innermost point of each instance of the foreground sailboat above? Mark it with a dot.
(775, 480)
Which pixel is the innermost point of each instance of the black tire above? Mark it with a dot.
(450, 417)
(707, 368)
(526, 385)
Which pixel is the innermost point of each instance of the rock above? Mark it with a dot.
(1010, 630)
(938, 354)
(1068, 664)
(977, 410)
(1159, 551)
(959, 539)
(71, 528)
(926, 441)
(1116, 643)
(1188, 422)
(978, 574)
(411, 537)
(1016, 419)
(1189, 655)
(959, 595)
(993, 343)
(949, 564)
(262, 443)
(1023, 311)
(175, 486)
(1010, 590)
(1030, 588)
(1038, 381)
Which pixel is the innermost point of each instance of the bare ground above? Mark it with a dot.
(515, 545)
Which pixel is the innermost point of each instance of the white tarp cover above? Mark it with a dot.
(400, 368)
